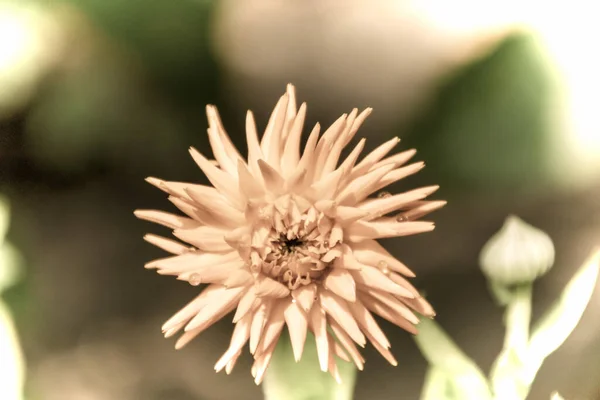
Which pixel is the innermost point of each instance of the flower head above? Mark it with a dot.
(289, 238)
(518, 253)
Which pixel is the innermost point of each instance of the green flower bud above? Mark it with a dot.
(519, 253)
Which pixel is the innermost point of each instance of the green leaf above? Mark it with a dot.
(563, 316)
(288, 380)
(464, 378)
(437, 386)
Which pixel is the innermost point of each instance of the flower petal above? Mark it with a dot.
(348, 344)
(291, 152)
(340, 282)
(361, 230)
(373, 157)
(318, 324)
(215, 309)
(367, 323)
(297, 322)
(267, 287)
(239, 337)
(305, 296)
(222, 181)
(168, 245)
(370, 252)
(338, 309)
(166, 219)
(372, 277)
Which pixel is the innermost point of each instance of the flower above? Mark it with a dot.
(518, 253)
(289, 238)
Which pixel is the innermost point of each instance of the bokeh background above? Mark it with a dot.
(500, 100)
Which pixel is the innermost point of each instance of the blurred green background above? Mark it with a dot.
(95, 95)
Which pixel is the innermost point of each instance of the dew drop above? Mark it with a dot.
(383, 266)
(195, 279)
(384, 195)
(293, 300)
(326, 243)
(401, 218)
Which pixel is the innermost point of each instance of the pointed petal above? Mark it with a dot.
(318, 324)
(361, 230)
(394, 176)
(338, 350)
(249, 185)
(340, 282)
(231, 363)
(259, 320)
(215, 309)
(291, 152)
(166, 219)
(240, 277)
(357, 123)
(192, 308)
(274, 326)
(362, 185)
(348, 344)
(381, 206)
(422, 209)
(397, 159)
(239, 337)
(373, 157)
(222, 181)
(370, 252)
(267, 287)
(216, 143)
(331, 364)
(337, 308)
(305, 296)
(273, 181)
(248, 302)
(262, 363)
(168, 245)
(254, 151)
(374, 278)
(297, 322)
(420, 305)
(309, 149)
(394, 304)
(204, 237)
(367, 323)
(349, 162)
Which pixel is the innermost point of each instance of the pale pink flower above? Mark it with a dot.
(289, 238)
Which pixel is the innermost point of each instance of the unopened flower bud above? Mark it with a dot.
(518, 253)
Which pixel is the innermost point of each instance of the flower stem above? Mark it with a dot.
(517, 320)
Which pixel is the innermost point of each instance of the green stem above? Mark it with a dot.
(517, 320)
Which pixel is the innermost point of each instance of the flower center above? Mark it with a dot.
(293, 243)
(289, 245)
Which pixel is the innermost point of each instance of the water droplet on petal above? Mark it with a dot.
(293, 300)
(195, 279)
(384, 195)
(401, 218)
(383, 266)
